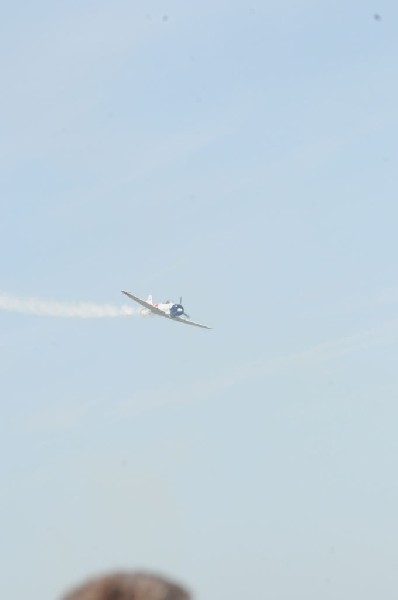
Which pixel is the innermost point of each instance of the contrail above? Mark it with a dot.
(73, 310)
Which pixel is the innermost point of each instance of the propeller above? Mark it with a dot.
(184, 313)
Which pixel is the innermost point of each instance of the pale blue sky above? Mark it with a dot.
(244, 156)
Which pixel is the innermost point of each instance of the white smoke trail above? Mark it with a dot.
(51, 308)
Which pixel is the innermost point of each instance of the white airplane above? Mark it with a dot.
(168, 309)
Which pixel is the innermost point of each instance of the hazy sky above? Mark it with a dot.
(244, 156)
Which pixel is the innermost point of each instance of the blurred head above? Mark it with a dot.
(128, 586)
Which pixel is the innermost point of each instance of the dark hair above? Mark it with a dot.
(129, 586)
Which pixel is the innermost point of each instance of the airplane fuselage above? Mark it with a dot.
(170, 309)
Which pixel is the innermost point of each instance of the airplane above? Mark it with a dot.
(168, 309)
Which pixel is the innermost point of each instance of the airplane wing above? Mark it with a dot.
(188, 322)
(152, 308)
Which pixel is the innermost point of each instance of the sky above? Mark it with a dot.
(242, 156)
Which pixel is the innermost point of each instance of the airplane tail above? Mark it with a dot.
(149, 299)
